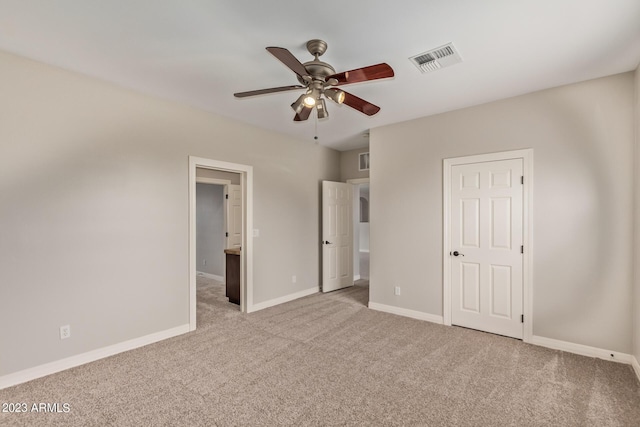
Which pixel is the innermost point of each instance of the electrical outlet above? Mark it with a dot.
(396, 290)
(256, 232)
(204, 262)
(294, 279)
(65, 332)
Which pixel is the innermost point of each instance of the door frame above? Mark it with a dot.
(246, 255)
(527, 232)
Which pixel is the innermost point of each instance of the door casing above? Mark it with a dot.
(246, 257)
(527, 280)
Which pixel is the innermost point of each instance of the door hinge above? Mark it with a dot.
(226, 234)
(522, 318)
(522, 179)
(522, 249)
(226, 196)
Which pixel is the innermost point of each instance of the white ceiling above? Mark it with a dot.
(200, 52)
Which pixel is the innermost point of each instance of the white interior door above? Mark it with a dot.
(337, 235)
(234, 216)
(486, 238)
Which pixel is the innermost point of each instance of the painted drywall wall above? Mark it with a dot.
(636, 296)
(349, 164)
(94, 210)
(582, 137)
(364, 236)
(363, 224)
(210, 230)
(356, 231)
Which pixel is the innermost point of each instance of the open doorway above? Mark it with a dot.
(212, 297)
(361, 201)
(363, 231)
(210, 230)
(218, 230)
(216, 173)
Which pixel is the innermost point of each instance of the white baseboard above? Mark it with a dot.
(282, 300)
(636, 366)
(366, 251)
(583, 350)
(211, 276)
(569, 347)
(356, 277)
(407, 313)
(90, 356)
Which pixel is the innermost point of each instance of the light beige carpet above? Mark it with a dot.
(328, 360)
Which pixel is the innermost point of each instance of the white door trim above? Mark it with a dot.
(527, 280)
(246, 258)
(215, 181)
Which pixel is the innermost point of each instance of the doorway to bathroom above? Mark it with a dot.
(237, 217)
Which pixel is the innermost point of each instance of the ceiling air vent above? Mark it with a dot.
(435, 59)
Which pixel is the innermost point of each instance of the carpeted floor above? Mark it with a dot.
(328, 360)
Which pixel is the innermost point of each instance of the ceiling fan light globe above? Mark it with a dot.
(309, 101)
(321, 108)
(336, 95)
(298, 105)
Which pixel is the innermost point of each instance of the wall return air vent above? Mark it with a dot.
(437, 58)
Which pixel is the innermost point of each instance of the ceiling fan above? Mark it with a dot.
(319, 78)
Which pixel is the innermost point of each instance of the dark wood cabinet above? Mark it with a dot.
(233, 274)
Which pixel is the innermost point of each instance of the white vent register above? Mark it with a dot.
(437, 58)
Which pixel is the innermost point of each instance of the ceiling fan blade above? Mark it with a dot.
(303, 115)
(360, 104)
(289, 60)
(265, 91)
(372, 72)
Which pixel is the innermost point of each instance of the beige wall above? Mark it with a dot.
(349, 164)
(94, 210)
(582, 137)
(636, 297)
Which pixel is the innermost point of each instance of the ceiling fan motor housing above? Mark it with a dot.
(318, 70)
